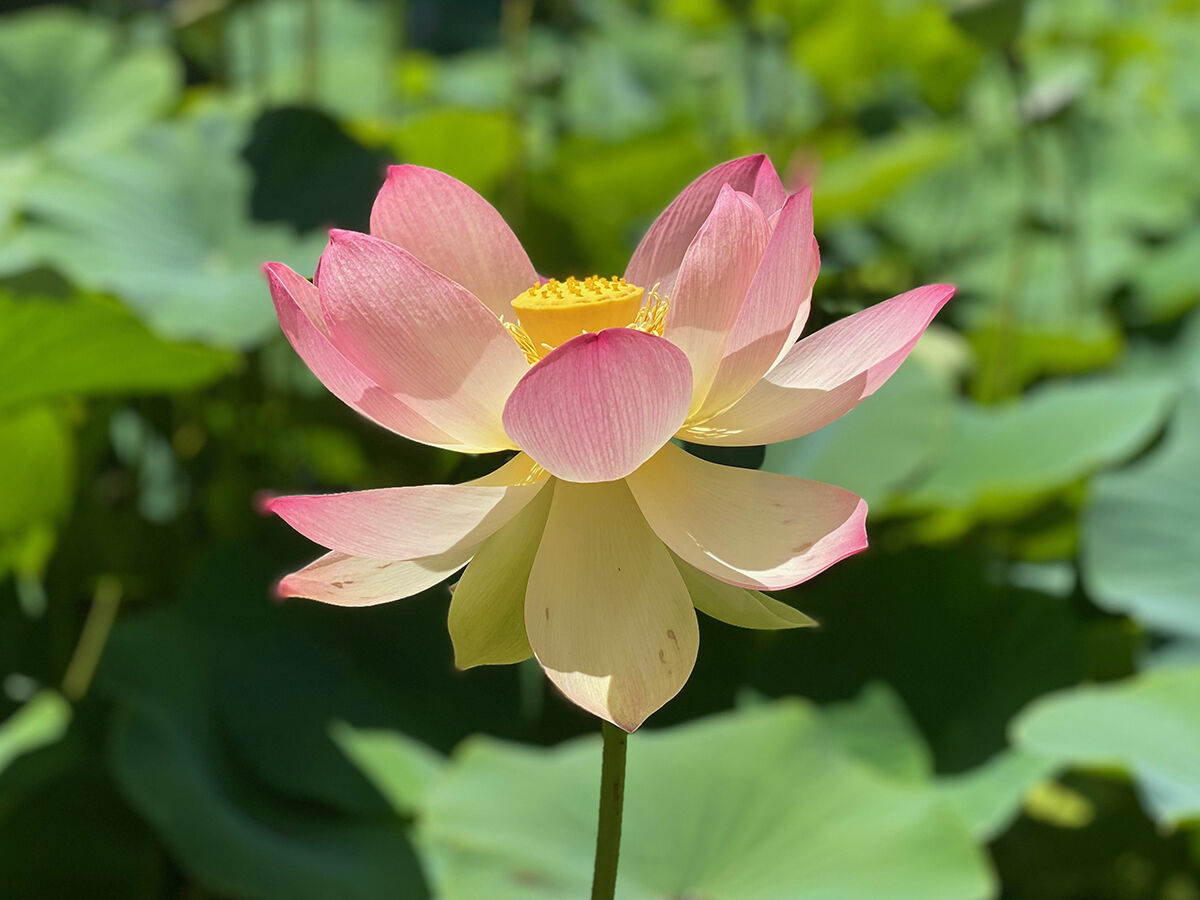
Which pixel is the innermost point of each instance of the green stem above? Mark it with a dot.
(96, 628)
(612, 802)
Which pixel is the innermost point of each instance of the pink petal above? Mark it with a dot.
(775, 310)
(598, 406)
(711, 286)
(748, 528)
(413, 522)
(298, 308)
(452, 229)
(606, 611)
(661, 251)
(827, 374)
(354, 581)
(421, 336)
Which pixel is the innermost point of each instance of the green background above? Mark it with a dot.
(1003, 698)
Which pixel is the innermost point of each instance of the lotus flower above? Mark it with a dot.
(593, 546)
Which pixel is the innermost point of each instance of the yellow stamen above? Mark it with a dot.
(556, 311)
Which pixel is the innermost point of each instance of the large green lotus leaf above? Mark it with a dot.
(402, 769)
(881, 444)
(37, 474)
(174, 764)
(860, 183)
(336, 54)
(1149, 724)
(1167, 283)
(989, 796)
(165, 226)
(860, 51)
(42, 720)
(450, 140)
(91, 345)
(756, 804)
(604, 195)
(72, 85)
(1000, 459)
(1141, 543)
(877, 729)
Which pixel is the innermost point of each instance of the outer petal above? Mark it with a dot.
(354, 581)
(452, 229)
(776, 306)
(487, 611)
(420, 335)
(739, 606)
(661, 250)
(413, 522)
(827, 374)
(299, 311)
(606, 611)
(598, 406)
(713, 279)
(748, 528)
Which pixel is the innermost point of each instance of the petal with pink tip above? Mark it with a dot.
(711, 286)
(748, 528)
(299, 312)
(452, 229)
(420, 335)
(487, 611)
(775, 310)
(413, 522)
(598, 406)
(661, 251)
(344, 580)
(606, 611)
(827, 374)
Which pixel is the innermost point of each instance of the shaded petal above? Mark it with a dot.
(713, 279)
(606, 610)
(775, 310)
(420, 335)
(661, 251)
(739, 606)
(452, 229)
(413, 522)
(487, 611)
(345, 580)
(827, 374)
(598, 406)
(299, 312)
(748, 528)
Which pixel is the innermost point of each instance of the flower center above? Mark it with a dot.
(556, 311)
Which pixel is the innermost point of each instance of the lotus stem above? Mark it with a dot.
(612, 803)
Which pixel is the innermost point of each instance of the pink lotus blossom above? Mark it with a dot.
(591, 548)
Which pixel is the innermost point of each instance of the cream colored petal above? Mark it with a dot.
(739, 606)
(758, 530)
(606, 611)
(344, 580)
(487, 612)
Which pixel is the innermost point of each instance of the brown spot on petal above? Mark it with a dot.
(662, 657)
(803, 548)
(674, 640)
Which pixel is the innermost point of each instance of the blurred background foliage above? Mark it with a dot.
(1004, 698)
